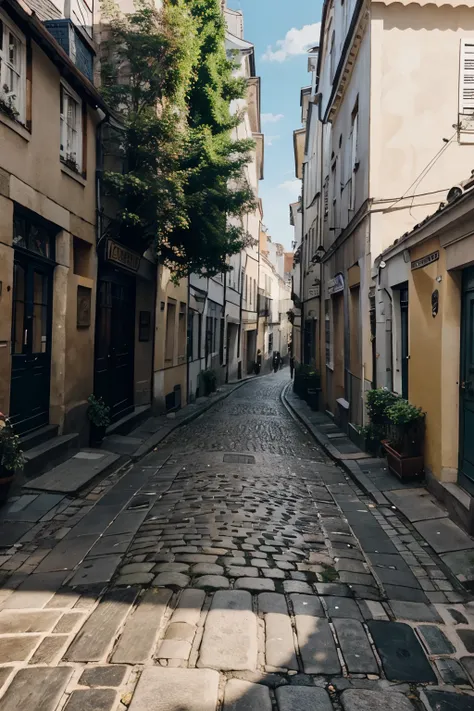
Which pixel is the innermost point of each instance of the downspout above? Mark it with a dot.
(302, 331)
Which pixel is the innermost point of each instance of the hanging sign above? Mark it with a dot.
(424, 261)
(122, 256)
(336, 284)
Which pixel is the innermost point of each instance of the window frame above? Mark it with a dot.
(66, 90)
(20, 100)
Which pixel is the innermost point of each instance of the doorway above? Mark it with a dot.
(404, 339)
(31, 343)
(115, 341)
(466, 404)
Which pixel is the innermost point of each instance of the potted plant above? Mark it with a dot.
(11, 456)
(404, 445)
(99, 416)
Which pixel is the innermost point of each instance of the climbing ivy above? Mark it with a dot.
(183, 189)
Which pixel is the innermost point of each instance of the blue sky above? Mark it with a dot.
(268, 24)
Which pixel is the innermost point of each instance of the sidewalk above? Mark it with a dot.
(424, 515)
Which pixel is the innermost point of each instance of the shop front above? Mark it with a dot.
(124, 329)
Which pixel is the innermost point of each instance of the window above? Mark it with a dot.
(466, 88)
(208, 335)
(190, 336)
(170, 329)
(12, 70)
(71, 129)
(182, 331)
(354, 145)
(270, 342)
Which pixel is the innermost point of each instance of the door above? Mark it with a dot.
(404, 340)
(115, 342)
(31, 344)
(466, 430)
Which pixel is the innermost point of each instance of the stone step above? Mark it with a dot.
(76, 472)
(49, 453)
(33, 439)
(129, 422)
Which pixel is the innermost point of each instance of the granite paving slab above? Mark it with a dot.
(302, 698)
(36, 689)
(245, 696)
(36, 591)
(230, 633)
(402, 656)
(447, 701)
(416, 504)
(435, 640)
(444, 536)
(161, 689)
(103, 676)
(95, 570)
(317, 646)
(367, 700)
(461, 563)
(91, 700)
(17, 649)
(355, 646)
(97, 635)
(14, 622)
(138, 638)
(67, 553)
(75, 473)
(11, 532)
(36, 507)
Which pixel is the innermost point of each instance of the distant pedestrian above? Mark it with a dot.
(292, 365)
(258, 362)
(276, 361)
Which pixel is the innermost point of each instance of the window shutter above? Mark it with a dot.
(466, 82)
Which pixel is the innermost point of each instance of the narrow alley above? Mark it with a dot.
(234, 568)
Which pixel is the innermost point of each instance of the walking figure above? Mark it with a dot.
(258, 363)
(276, 361)
(292, 365)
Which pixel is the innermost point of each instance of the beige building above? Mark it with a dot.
(389, 149)
(430, 340)
(49, 114)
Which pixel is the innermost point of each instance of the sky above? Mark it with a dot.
(281, 30)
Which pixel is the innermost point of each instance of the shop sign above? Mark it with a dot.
(314, 292)
(122, 256)
(336, 284)
(424, 261)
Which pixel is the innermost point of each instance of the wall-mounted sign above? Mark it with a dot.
(122, 256)
(84, 300)
(424, 261)
(314, 292)
(336, 284)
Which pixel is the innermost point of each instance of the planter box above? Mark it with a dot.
(404, 467)
(312, 398)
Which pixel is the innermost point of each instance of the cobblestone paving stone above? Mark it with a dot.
(235, 569)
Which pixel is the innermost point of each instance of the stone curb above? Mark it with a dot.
(155, 439)
(350, 466)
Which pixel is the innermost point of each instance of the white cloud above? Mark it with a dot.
(293, 187)
(295, 42)
(272, 118)
(270, 140)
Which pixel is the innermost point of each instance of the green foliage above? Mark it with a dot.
(209, 379)
(183, 189)
(98, 412)
(404, 413)
(11, 453)
(378, 402)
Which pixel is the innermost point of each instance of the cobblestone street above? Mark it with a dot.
(234, 568)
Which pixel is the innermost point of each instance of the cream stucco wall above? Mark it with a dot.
(414, 77)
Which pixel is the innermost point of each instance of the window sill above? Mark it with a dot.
(72, 174)
(15, 126)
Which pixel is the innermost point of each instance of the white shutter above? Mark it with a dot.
(466, 79)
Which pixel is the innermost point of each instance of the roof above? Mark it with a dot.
(466, 192)
(44, 9)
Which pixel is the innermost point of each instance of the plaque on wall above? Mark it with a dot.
(84, 299)
(144, 326)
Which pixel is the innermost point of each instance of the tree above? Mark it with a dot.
(183, 189)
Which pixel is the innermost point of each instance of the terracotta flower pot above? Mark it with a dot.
(403, 466)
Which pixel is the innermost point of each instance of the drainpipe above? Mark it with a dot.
(302, 334)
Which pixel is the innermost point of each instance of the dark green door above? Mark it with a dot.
(466, 400)
(31, 344)
(404, 339)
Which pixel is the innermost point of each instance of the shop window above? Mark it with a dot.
(33, 235)
(170, 329)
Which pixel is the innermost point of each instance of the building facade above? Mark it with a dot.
(387, 153)
(49, 118)
(425, 285)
